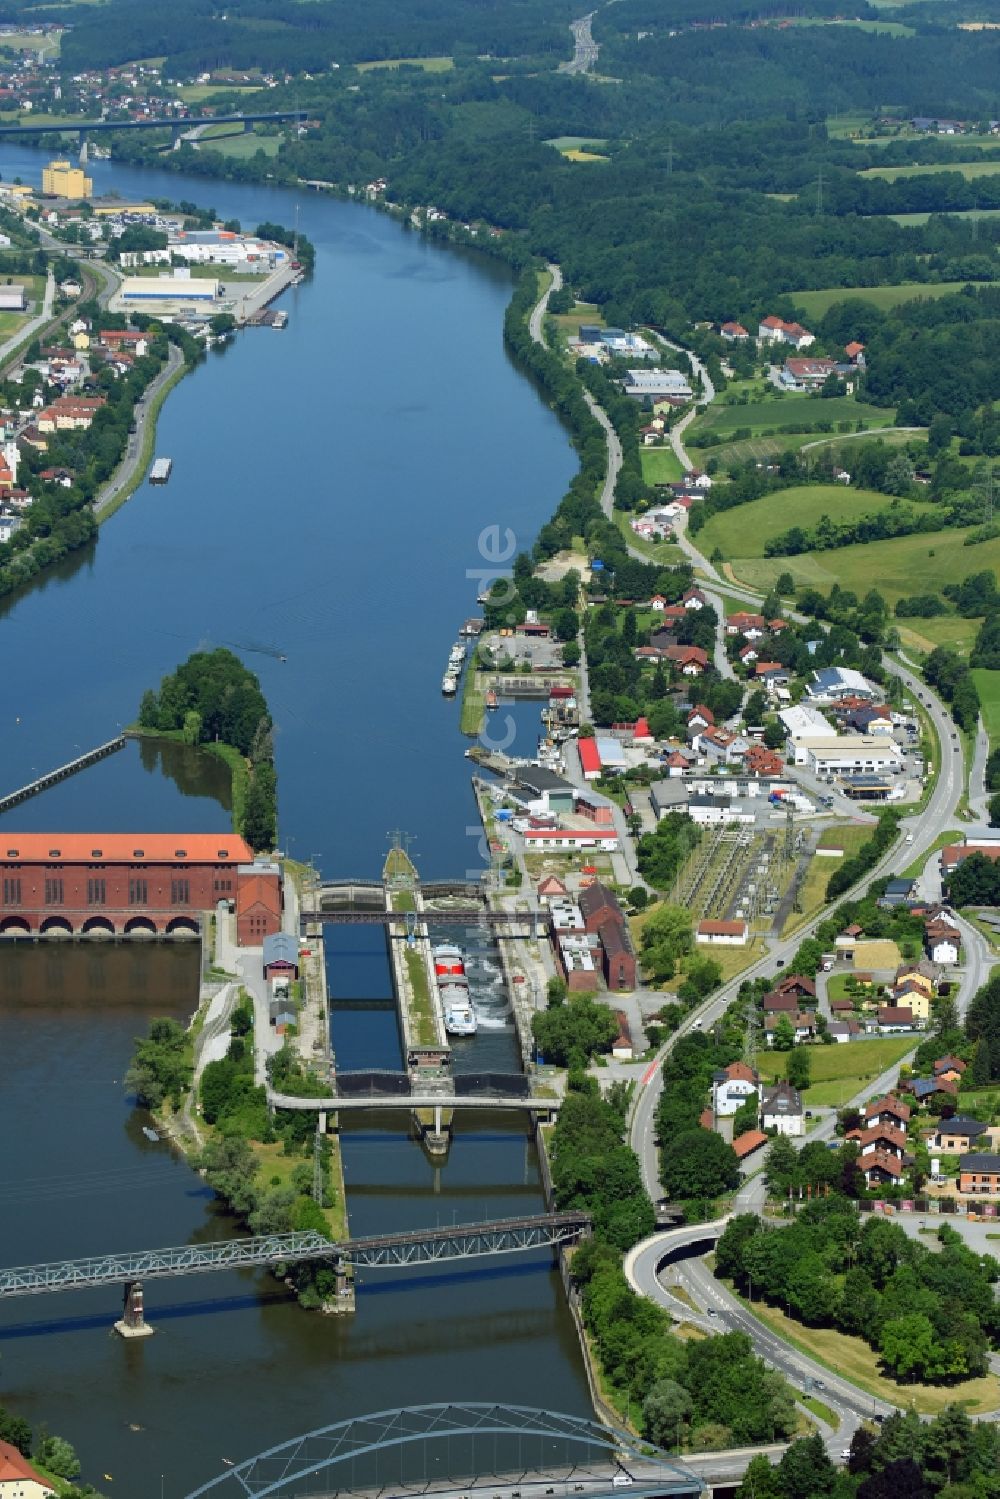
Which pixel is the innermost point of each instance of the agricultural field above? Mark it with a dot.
(883, 28)
(812, 891)
(429, 64)
(660, 466)
(816, 304)
(897, 567)
(579, 147)
(924, 635)
(968, 169)
(197, 93)
(762, 449)
(764, 413)
(47, 43)
(747, 528)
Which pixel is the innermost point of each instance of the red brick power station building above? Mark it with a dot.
(133, 884)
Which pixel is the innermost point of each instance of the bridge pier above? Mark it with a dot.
(132, 1323)
(83, 149)
(434, 1129)
(343, 1296)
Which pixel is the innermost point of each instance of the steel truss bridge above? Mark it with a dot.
(383, 1251)
(447, 916)
(508, 1450)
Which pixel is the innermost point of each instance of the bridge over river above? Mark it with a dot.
(454, 1451)
(382, 1251)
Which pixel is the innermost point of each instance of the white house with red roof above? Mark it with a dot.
(18, 1479)
(774, 330)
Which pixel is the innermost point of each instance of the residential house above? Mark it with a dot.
(943, 941)
(18, 1479)
(894, 1020)
(732, 1086)
(690, 660)
(924, 1088)
(807, 374)
(957, 853)
(750, 626)
(749, 654)
(798, 984)
(722, 933)
(843, 1030)
(979, 1173)
(842, 1008)
(949, 1067)
(803, 1024)
(694, 599)
(763, 763)
(658, 603)
(777, 1002)
(888, 1110)
(880, 1166)
(846, 941)
(855, 353)
(910, 995)
(885, 1137)
(700, 717)
(781, 1110)
(774, 330)
(734, 332)
(957, 1135)
(869, 720)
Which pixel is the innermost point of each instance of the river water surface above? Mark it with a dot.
(331, 484)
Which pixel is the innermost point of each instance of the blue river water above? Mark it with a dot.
(331, 487)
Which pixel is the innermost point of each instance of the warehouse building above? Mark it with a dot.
(860, 753)
(177, 289)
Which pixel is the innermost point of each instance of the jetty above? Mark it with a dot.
(61, 773)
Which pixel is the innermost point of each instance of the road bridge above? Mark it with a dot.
(507, 1451)
(273, 1251)
(353, 1103)
(169, 122)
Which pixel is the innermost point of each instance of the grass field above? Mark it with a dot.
(988, 687)
(853, 1359)
(747, 528)
(883, 28)
(812, 892)
(26, 41)
(855, 1064)
(941, 841)
(760, 449)
(816, 304)
(246, 144)
(968, 169)
(660, 466)
(944, 629)
(897, 568)
(429, 64)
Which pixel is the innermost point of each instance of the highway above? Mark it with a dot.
(585, 49)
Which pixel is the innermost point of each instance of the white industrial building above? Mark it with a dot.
(654, 385)
(834, 682)
(802, 722)
(852, 752)
(176, 289)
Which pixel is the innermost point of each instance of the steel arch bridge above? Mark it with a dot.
(562, 1450)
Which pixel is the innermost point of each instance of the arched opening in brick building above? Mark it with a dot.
(98, 926)
(140, 926)
(183, 926)
(56, 926)
(14, 926)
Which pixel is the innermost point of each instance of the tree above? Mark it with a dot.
(760, 1481)
(665, 1411)
(784, 1034)
(699, 1164)
(798, 1068)
(805, 1470)
(774, 734)
(571, 1033)
(911, 1348)
(16, 1431)
(667, 935)
(981, 1072)
(161, 1065)
(56, 1454)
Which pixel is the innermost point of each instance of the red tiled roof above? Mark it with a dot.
(748, 1142)
(721, 928)
(15, 1468)
(590, 758)
(125, 848)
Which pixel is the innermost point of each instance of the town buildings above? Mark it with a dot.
(60, 179)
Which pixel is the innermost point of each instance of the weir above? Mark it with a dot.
(110, 747)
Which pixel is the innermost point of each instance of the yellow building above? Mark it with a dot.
(62, 180)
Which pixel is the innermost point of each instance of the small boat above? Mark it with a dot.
(460, 1018)
(449, 684)
(150, 1134)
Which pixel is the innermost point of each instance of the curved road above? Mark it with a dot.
(132, 462)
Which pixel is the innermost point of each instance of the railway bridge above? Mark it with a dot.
(277, 1251)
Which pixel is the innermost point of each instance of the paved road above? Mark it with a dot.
(537, 318)
(978, 794)
(585, 49)
(132, 461)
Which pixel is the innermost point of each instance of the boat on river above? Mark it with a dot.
(449, 684)
(453, 990)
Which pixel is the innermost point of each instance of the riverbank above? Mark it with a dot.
(139, 454)
(239, 772)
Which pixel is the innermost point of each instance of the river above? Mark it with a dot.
(331, 485)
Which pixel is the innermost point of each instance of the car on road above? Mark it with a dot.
(712, 1312)
(845, 1454)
